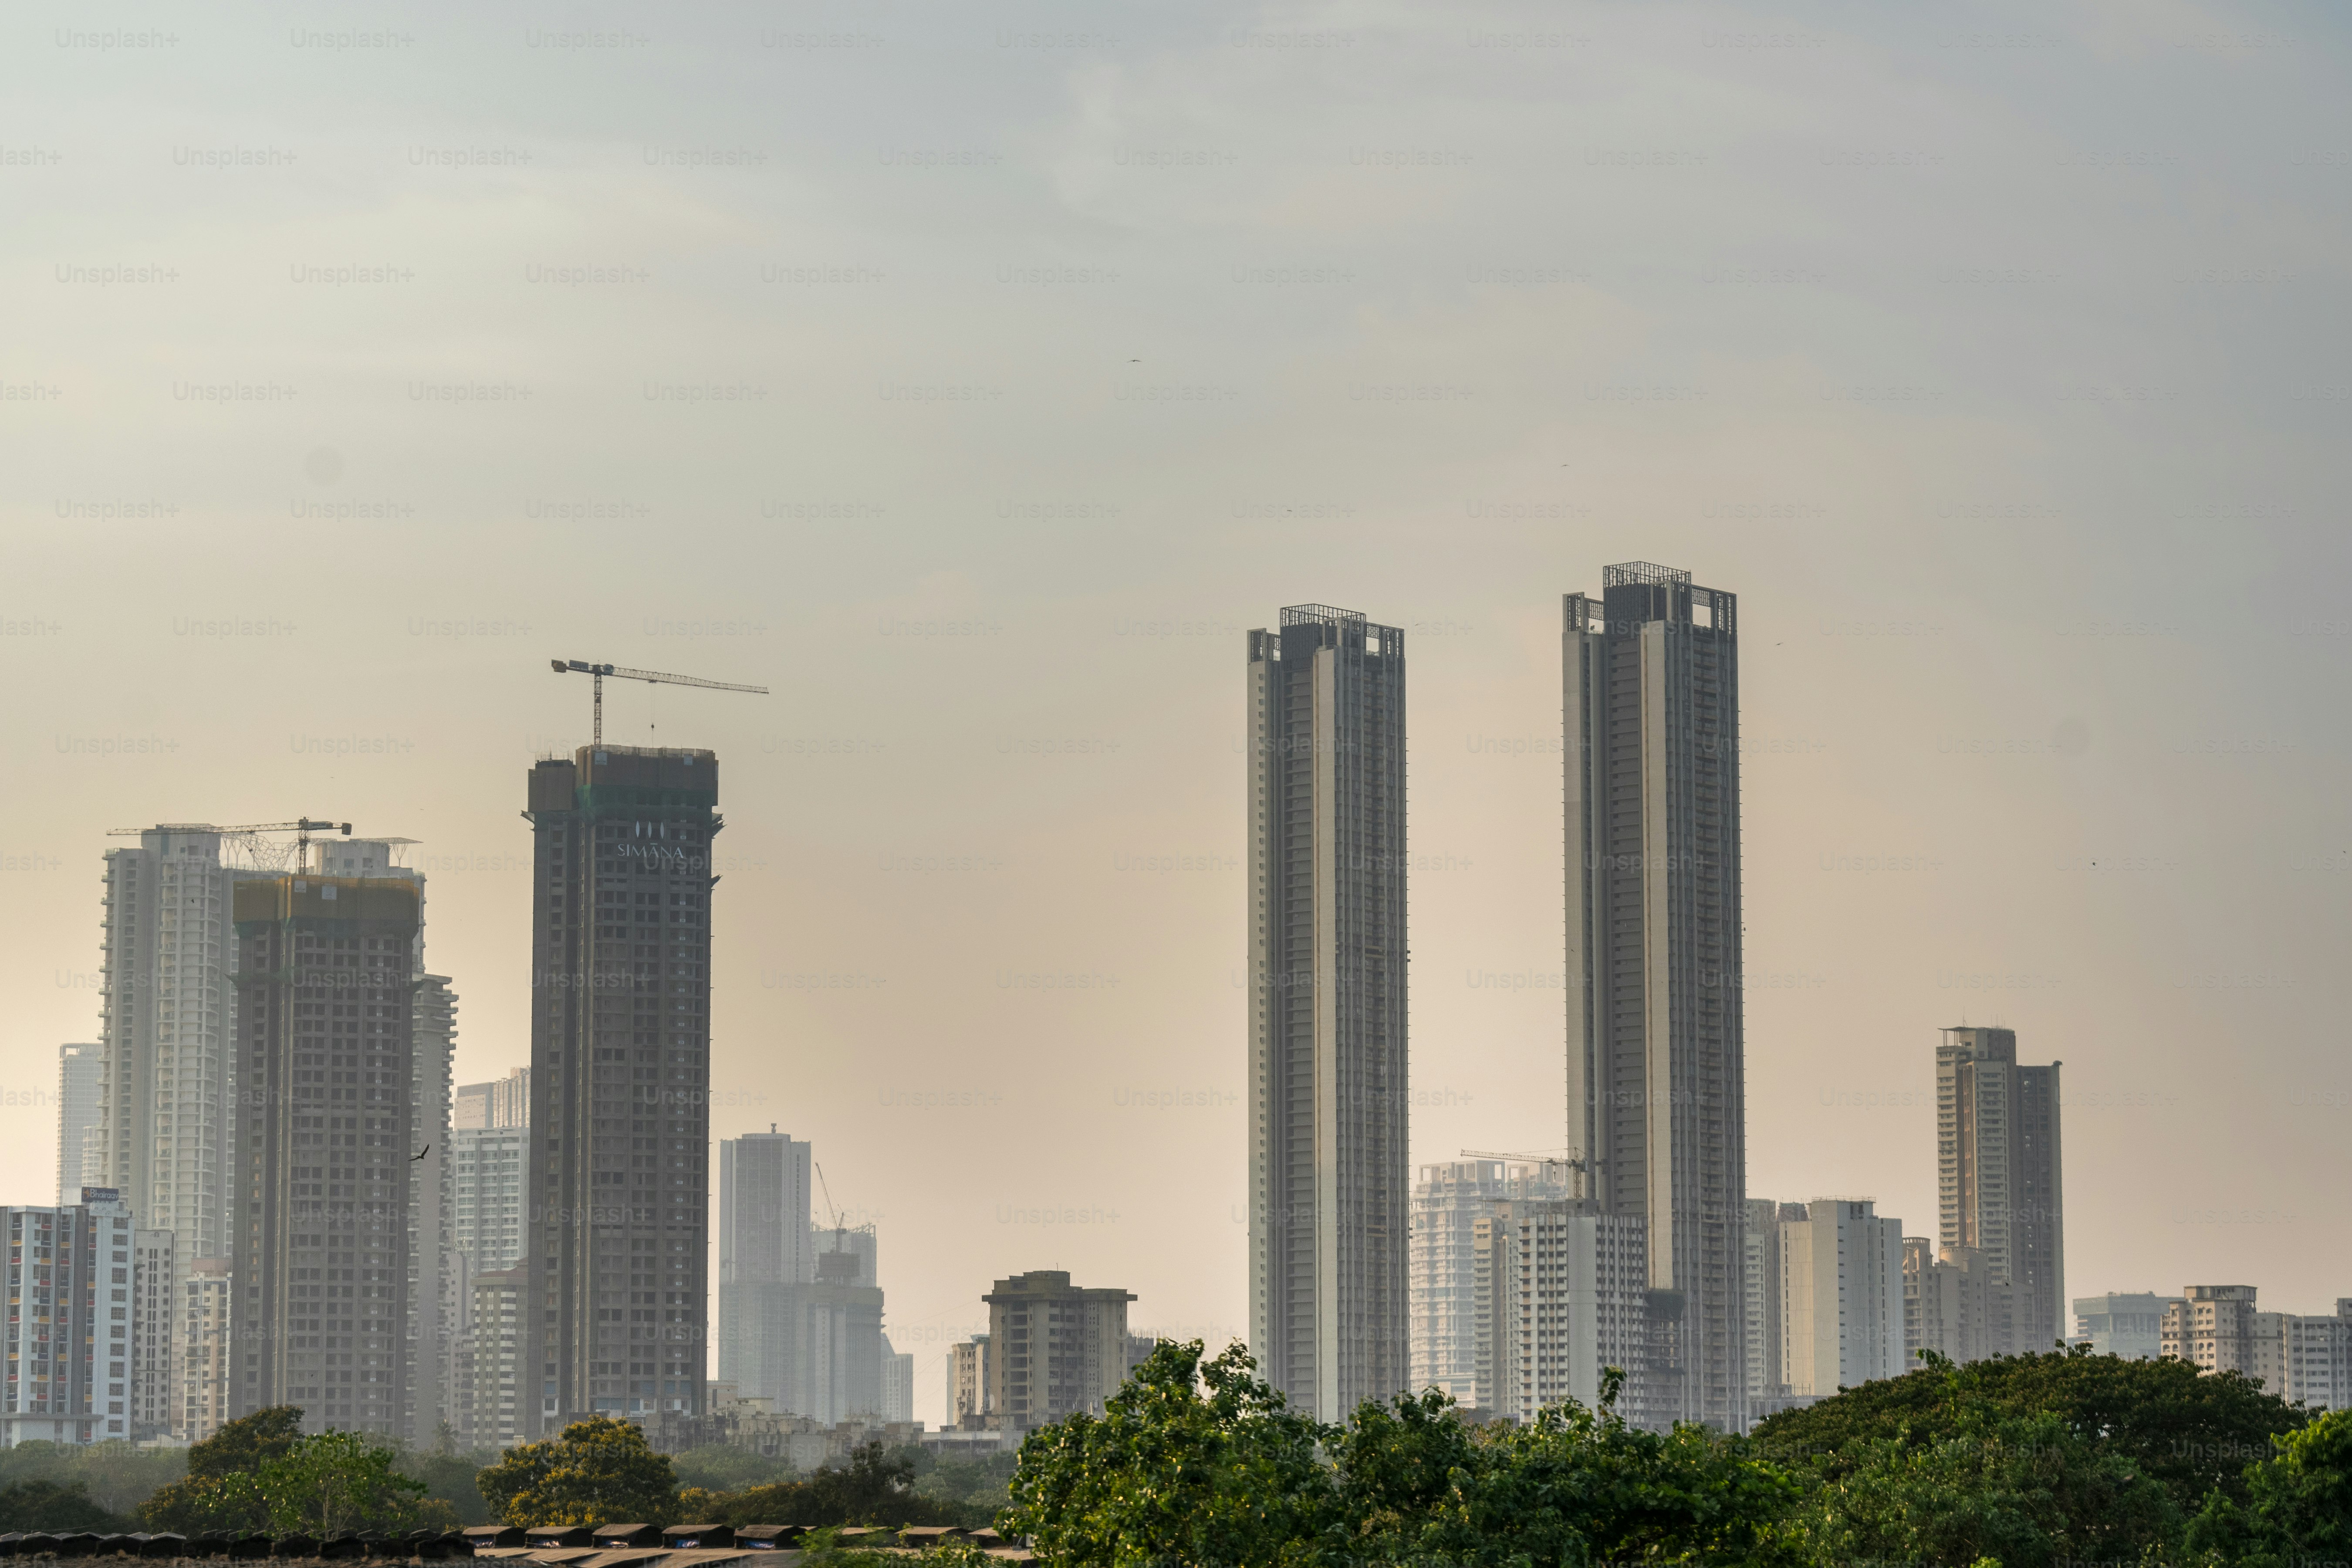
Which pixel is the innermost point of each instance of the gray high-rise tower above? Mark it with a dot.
(620, 1105)
(1656, 1096)
(766, 1252)
(1996, 1156)
(1331, 1192)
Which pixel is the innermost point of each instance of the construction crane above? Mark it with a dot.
(651, 676)
(1584, 1167)
(272, 856)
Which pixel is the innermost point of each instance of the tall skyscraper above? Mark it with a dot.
(1998, 1172)
(765, 1253)
(1564, 1293)
(620, 1081)
(325, 1146)
(81, 1081)
(898, 1382)
(1656, 1084)
(200, 1358)
(492, 1165)
(1760, 1282)
(154, 1346)
(436, 1275)
(165, 1109)
(1329, 1170)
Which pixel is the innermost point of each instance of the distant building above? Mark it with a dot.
(1140, 1348)
(2130, 1326)
(437, 1276)
(2213, 1326)
(165, 1003)
(501, 1103)
(69, 1338)
(835, 1332)
(2307, 1359)
(1840, 1297)
(765, 1253)
(81, 1081)
(200, 1359)
(154, 1292)
(1759, 1289)
(494, 1384)
(968, 1381)
(1952, 1304)
(897, 1383)
(1330, 1171)
(488, 1167)
(1562, 1293)
(1055, 1347)
(1448, 1201)
(2000, 1175)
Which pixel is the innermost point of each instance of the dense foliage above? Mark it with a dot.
(115, 1476)
(54, 1506)
(597, 1471)
(216, 1493)
(876, 1487)
(2033, 1461)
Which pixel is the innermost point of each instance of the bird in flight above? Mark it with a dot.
(420, 1153)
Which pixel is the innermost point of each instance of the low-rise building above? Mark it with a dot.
(2130, 1325)
(68, 1336)
(1055, 1347)
(2213, 1326)
(1954, 1304)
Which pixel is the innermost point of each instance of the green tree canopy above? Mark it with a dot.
(1195, 1463)
(2189, 1431)
(49, 1505)
(874, 1487)
(334, 1482)
(2299, 1507)
(597, 1471)
(217, 1493)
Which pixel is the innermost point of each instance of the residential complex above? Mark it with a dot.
(619, 1058)
(1329, 1164)
(490, 1168)
(1054, 1348)
(2130, 1326)
(1953, 1304)
(1840, 1297)
(766, 1254)
(81, 1078)
(1448, 1202)
(69, 1333)
(1562, 1294)
(494, 1382)
(501, 1103)
(154, 1293)
(1998, 1175)
(1655, 1088)
(165, 1006)
(200, 1330)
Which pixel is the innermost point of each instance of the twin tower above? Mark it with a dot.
(1655, 1097)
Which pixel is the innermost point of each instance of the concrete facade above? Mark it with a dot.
(1054, 1347)
(1329, 1168)
(766, 1252)
(2127, 1325)
(501, 1103)
(490, 1169)
(2213, 1326)
(1448, 1201)
(494, 1377)
(326, 982)
(1953, 1304)
(154, 1292)
(81, 1085)
(166, 1006)
(200, 1357)
(1656, 1097)
(1565, 1295)
(620, 1114)
(70, 1333)
(1840, 1297)
(2001, 1174)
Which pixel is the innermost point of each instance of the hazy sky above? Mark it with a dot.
(975, 378)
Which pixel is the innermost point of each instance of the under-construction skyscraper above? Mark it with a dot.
(1656, 1098)
(1330, 1196)
(620, 1058)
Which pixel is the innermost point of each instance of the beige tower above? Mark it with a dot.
(1998, 1172)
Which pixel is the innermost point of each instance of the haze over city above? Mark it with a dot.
(977, 384)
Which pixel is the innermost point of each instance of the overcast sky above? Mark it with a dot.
(976, 378)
